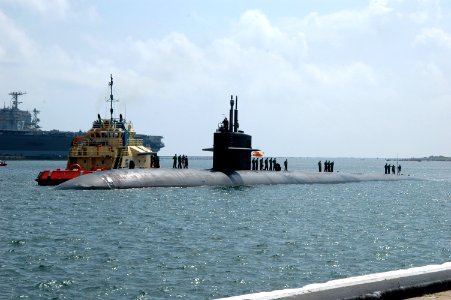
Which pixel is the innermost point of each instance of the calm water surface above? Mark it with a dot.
(210, 242)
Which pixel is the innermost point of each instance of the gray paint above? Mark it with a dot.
(139, 178)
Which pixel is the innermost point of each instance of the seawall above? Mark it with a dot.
(399, 284)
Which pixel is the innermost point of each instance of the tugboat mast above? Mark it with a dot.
(111, 98)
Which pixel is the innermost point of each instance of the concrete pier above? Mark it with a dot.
(399, 284)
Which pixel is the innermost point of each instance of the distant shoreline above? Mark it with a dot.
(419, 159)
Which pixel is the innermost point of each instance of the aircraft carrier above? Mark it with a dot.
(22, 138)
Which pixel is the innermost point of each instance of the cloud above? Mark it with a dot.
(340, 26)
(343, 83)
(433, 35)
(58, 8)
(255, 31)
(92, 13)
(350, 74)
(173, 50)
(15, 45)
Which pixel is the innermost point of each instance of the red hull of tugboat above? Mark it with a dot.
(3, 164)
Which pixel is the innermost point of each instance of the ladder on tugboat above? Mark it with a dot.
(118, 159)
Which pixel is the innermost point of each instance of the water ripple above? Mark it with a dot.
(209, 242)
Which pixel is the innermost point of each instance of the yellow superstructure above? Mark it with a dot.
(110, 144)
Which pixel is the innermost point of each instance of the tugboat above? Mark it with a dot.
(109, 144)
(3, 163)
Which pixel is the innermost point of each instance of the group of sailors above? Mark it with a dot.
(268, 164)
(392, 168)
(328, 166)
(180, 161)
(271, 164)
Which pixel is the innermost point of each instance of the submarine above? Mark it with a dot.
(232, 151)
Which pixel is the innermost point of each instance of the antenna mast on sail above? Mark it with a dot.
(111, 100)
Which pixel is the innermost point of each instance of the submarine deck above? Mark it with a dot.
(140, 178)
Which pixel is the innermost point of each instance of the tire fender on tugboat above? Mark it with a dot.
(75, 167)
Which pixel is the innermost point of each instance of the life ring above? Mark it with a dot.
(75, 167)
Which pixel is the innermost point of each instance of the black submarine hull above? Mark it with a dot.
(141, 178)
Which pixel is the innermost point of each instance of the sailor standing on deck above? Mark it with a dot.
(319, 166)
(179, 159)
(174, 165)
(225, 124)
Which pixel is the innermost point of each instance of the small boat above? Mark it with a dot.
(109, 144)
(58, 176)
(3, 163)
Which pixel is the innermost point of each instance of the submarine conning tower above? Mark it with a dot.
(231, 147)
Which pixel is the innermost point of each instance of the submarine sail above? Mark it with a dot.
(232, 148)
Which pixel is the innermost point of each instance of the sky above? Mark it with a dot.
(313, 78)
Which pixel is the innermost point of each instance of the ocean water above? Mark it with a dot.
(211, 242)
